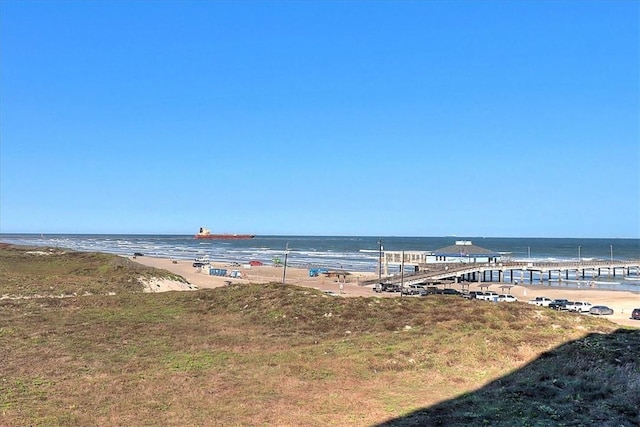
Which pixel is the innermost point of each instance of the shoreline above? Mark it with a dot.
(621, 301)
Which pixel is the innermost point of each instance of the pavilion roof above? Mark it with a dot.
(465, 250)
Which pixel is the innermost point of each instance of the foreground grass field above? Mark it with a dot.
(283, 355)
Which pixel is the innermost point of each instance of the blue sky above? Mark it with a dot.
(323, 118)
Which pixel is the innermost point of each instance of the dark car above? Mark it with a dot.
(381, 287)
(390, 287)
(558, 304)
(602, 310)
(449, 291)
(635, 314)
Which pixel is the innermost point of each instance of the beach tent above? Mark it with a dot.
(314, 272)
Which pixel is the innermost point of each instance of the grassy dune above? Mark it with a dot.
(28, 271)
(285, 355)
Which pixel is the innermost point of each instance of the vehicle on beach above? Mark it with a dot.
(386, 287)
(414, 290)
(448, 291)
(201, 261)
(540, 301)
(473, 295)
(579, 306)
(489, 296)
(635, 314)
(601, 310)
(559, 304)
(507, 298)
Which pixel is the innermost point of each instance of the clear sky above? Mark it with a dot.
(407, 118)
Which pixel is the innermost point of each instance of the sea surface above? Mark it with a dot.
(355, 253)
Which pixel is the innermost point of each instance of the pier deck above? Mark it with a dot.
(476, 272)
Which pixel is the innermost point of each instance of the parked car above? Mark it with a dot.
(386, 287)
(559, 304)
(635, 314)
(602, 310)
(201, 261)
(391, 287)
(489, 296)
(507, 298)
(473, 294)
(449, 291)
(431, 290)
(540, 301)
(579, 306)
(414, 290)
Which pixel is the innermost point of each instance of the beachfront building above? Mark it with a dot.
(463, 251)
(413, 260)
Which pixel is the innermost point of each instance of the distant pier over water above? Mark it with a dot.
(520, 272)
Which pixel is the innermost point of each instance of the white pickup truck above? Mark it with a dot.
(579, 306)
(540, 301)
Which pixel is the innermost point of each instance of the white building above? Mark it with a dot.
(463, 251)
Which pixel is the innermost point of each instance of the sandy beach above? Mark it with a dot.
(622, 302)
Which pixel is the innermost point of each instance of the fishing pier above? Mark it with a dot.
(516, 271)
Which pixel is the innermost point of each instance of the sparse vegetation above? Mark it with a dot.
(38, 271)
(284, 355)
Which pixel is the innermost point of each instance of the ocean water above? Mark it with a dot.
(356, 253)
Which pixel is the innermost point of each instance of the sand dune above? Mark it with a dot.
(622, 302)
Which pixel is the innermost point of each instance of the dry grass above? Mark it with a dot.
(41, 271)
(283, 355)
(591, 381)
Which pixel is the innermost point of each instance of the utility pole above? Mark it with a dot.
(402, 274)
(380, 261)
(284, 271)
